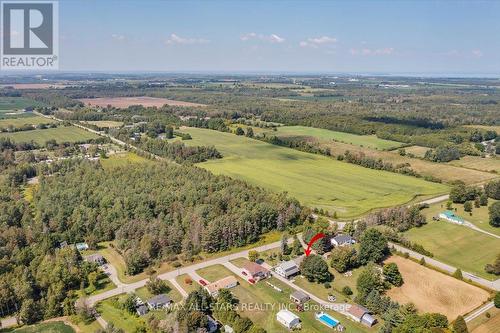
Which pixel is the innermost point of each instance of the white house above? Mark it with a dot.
(287, 269)
(288, 319)
(342, 240)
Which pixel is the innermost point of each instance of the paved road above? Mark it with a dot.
(495, 285)
(479, 312)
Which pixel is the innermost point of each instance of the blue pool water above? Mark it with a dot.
(327, 320)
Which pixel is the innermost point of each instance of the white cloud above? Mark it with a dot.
(175, 39)
(372, 52)
(272, 38)
(118, 37)
(477, 53)
(317, 41)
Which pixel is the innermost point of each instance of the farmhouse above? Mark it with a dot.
(288, 319)
(255, 271)
(342, 240)
(287, 269)
(361, 315)
(224, 283)
(158, 302)
(299, 297)
(448, 215)
(95, 258)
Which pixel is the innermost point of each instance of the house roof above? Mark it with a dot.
(254, 268)
(301, 296)
(222, 283)
(289, 266)
(358, 311)
(159, 299)
(341, 239)
(287, 316)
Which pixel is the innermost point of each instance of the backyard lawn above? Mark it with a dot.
(214, 273)
(111, 311)
(315, 180)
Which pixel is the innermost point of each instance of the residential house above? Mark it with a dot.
(288, 319)
(256, 271)
(362, 315)
(159, 302)
(342, 240)
(299, 297)
(224, 283)
(287, 269)
(95, 258)
(212, 325)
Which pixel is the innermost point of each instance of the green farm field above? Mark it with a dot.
(315, 180)
(490, 164)
(369, 141)
(53, 327)
(60, 134)
(17, 122)
(457, 245)
(16, 103)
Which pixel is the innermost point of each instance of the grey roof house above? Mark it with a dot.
(287, 269)
(361, 315)
(342, 240)
(158, 302)
(95, 258)
(142, 310)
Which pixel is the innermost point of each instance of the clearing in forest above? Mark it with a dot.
(125, 102)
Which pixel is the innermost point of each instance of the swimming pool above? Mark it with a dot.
(327, 319)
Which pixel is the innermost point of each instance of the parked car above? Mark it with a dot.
(252, 281)
(203, 282)
(244, 273)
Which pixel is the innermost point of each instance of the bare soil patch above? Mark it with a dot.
(34, 85)
(124, 102)
(432, 291)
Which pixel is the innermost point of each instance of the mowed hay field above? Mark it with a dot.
(315, 180)
(432, 291)
(105, 123)
(443, 171)
(60, 134)
(456, 245)
(370, 141)
(490, 164)
(416, 150)
(125, 102)
(16, 103)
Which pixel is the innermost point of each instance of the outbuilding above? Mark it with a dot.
(288, 319)
(361, 315)
(299, 297)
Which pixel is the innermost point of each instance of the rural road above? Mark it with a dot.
(479, 312)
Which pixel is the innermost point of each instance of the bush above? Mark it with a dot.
(327, 285)
(347, 291)
(176, 264)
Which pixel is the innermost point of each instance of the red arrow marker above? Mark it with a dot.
(311, 242)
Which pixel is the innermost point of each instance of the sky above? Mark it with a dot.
(383, 37)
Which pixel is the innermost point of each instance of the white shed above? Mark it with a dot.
(288, 319)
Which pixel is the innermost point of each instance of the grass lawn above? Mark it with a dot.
(261, 302)
(193, 286)
(240, 262)
(214, 273)
(60, 134)
(18, 122)
(122, 159)
(111, 312)
(457, 245)
(432, 291)
(173, 293)
(489, 164)
(369, 141)
(315, 180)
(53, 327)
(89, 328)
(480, 216)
